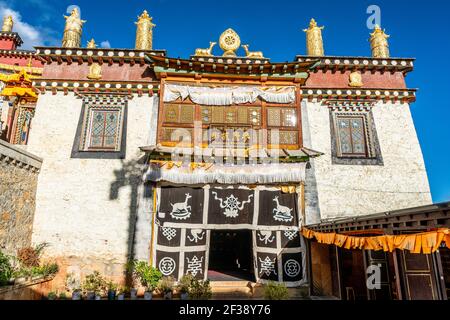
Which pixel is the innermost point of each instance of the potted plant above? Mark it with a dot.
(73, 286)
(62, 296)
(184, 286)
(165, 287)
(52, 296)
(112, 291)
(200, 290)
(122, 292)
(133, 293)
(93, 286)
(76, 294)
(148, 276)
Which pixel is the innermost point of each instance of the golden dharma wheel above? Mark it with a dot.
(230, 42)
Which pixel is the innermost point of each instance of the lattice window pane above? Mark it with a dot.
(187, 114)
(255, 116)
(352, 135)
(104, 129)
(289, 117)
(274, 117)
(358, 136)
(206, 115)
(217, 115)
(171, 113)
(345, 135)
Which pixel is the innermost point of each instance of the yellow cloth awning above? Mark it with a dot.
(426, 243)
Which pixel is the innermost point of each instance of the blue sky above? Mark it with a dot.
(418, 29)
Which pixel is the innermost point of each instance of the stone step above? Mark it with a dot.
(231, 289)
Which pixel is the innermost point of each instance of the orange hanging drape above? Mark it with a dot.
(426, 243)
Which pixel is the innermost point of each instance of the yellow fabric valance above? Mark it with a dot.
(18, 92)
(426, 243)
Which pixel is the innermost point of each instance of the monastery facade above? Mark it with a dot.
(209, 165)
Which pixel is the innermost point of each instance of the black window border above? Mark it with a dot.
(373, 142)
(108, 155)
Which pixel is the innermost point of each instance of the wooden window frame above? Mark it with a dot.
(372, 154)
(264, 106)
(365, 133)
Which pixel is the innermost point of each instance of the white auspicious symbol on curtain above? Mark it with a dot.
(232, 205)
(267, 266)
(197, 235)
(169, 233)
(292, 268)
(291, 235)
(195, 266)
(182, 211)
(282, 213)
(266, 237)
(167, 266)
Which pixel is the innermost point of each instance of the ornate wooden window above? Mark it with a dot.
(102, 128)
(354, 137)
(276, 124)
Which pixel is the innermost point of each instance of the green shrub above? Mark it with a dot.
(6, 269)
(276, 291)
(200, 290)
(94, 283)
(166, 284)
(149, 277)
(184, 285)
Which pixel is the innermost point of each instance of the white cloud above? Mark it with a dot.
(105, 44)
(31, 35)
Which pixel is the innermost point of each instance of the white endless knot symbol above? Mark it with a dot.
(167, 266)
(291, 235)
(292, 268)
(169, 233)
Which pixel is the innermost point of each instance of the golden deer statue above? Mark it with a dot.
(205, 52)
(252, 54)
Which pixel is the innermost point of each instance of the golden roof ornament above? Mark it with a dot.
(95, 71)
(314, 40)
(8, 24)
(379, 43)
(144, 32)
(91, 44)
(230, 42)
(252, 54)
(73, 30)
(355, 79)
(205, 52)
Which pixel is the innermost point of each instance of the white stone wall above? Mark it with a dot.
(349, 190)
(78, 211)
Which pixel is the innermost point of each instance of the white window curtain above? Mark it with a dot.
(226, 96)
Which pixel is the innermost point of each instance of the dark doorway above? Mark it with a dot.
(231, 256)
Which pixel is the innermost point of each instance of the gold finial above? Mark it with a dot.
(205, 52)
(8, 24)
(230, 42)
(91, 44)
(314, 40)
(379, 43)
(73, 30)
(252, 54)
(144, 32)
